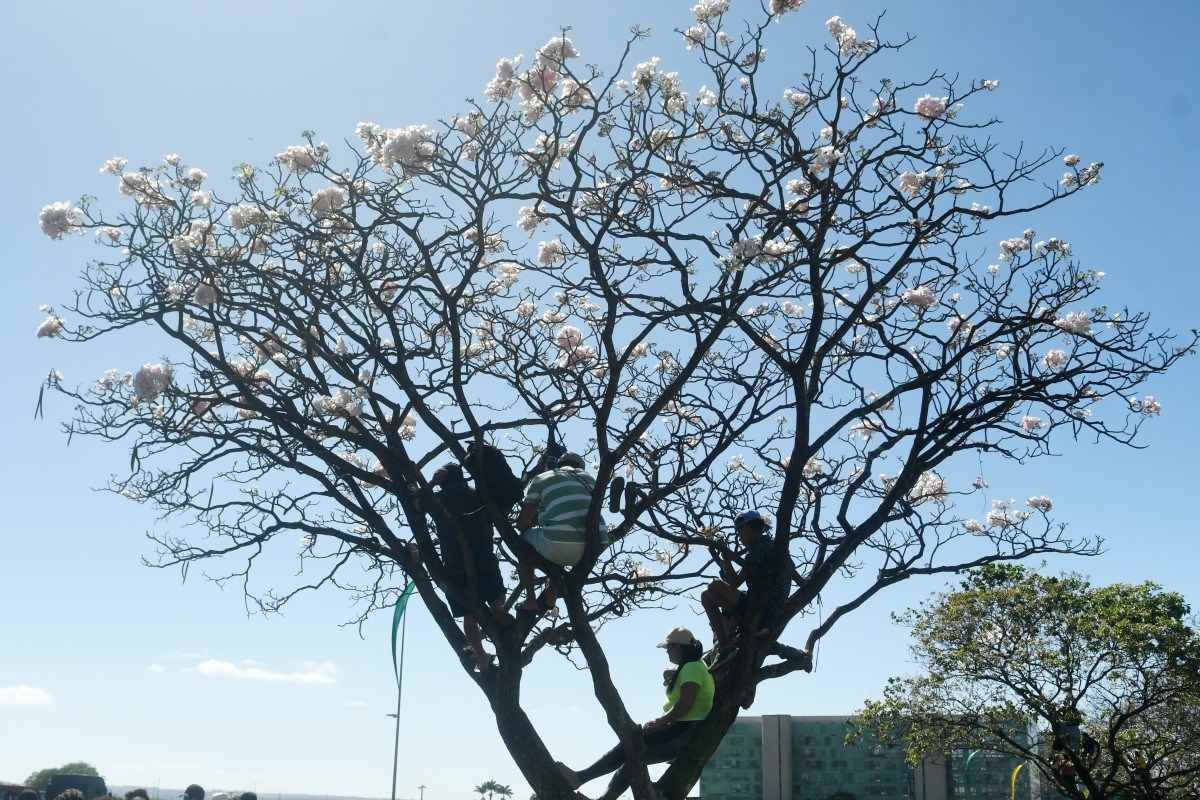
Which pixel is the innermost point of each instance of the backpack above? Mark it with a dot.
(493, 477)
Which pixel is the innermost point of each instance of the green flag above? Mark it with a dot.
(397, 616)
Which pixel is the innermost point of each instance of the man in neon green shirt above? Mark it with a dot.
(690, 694)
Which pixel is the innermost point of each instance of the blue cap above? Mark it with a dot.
(746, 517)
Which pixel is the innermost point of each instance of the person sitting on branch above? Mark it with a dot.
(553, 520)
(723, 598)
(690, 695)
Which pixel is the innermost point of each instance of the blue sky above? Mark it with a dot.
(161, 682)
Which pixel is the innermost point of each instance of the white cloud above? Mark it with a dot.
(323, 672)
(24, 696)
(357, 704)
(156, 668)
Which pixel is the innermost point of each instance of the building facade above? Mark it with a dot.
(781, 757)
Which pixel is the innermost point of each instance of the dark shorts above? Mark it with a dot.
(489, 584)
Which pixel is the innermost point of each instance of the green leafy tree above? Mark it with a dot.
(41, 779)
(1096, 686)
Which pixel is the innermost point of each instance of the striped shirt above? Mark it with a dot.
(562, 496)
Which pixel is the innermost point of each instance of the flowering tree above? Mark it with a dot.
(755, 294)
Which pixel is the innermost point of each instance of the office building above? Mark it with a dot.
(781, 757)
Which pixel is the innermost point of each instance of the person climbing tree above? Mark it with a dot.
(553, 520)
(467, 549)
(690, 694)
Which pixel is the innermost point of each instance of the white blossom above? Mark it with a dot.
(911, 183)
(411, 148)
(990, 85)
(51, 326)
(709, 9)
(205, 294)
(1071, 160)
(1076, 322)
(921, 296)
(797, 98)
(929, 486)
(781, 7)
(59, 219)
(556, 51)
(326, 201)
(244, 215)
(502, 86)
(551, 253)
(114, 166)
(1040, 503)
(201, 199)
(301, 158)
(143, 188)
(1031, 424)
(823, 158)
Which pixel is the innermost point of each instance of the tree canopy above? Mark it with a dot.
(780, 289)
(41, 779)
(1098, 687)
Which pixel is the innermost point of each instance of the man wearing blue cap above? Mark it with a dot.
(723, 597)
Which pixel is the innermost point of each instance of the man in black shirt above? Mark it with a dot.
(723, 597)
(476, 543)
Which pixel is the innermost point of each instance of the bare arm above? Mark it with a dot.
(528, 516)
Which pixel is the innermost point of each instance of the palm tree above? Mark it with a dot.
(491, 789)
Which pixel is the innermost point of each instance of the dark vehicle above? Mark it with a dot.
(90, 785)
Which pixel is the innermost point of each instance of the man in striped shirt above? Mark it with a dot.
(554, 520)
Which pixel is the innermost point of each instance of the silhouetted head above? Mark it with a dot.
(447, 473)
(194, 792)
(749, 526)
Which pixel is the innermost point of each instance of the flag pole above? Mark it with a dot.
(399, 696)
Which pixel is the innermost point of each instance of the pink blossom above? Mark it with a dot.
(151, 380)
(1055, 359)
(930, 107)
(568, 337)
(1031, 424)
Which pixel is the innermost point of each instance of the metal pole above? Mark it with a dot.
(421, 789)
(399, 695)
